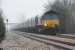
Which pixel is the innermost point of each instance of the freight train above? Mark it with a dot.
(48, 23)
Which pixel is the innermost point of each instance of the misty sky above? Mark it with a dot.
(20, 10)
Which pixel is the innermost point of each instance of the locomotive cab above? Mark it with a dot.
(50, 22)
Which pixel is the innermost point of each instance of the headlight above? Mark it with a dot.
(45, 24)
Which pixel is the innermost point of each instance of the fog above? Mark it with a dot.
(17, 11)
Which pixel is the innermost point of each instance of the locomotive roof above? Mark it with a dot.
(51, 12)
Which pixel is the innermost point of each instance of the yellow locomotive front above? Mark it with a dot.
(50, 22)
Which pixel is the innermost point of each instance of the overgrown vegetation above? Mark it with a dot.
(2, 28)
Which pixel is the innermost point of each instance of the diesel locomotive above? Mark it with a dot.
(49, 23)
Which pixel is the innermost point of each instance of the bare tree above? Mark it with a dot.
(64, 8)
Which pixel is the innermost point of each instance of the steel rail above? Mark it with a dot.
(55, 38)
(66, 36)
(51, 42)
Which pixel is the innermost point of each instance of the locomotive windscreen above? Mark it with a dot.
(50, 17)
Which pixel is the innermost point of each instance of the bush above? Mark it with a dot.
(2, 30)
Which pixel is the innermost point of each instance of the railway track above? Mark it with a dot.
(66, 36)
(66, 43)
